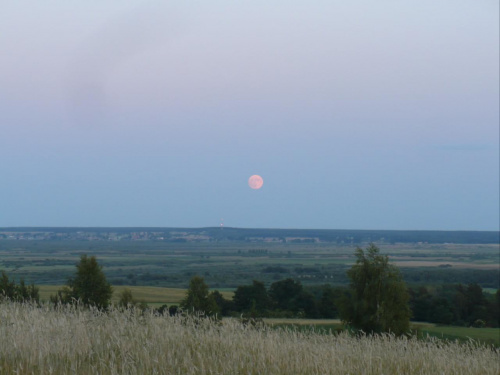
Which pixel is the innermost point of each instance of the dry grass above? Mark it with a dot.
(72, 340)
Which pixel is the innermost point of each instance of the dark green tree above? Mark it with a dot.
(198, 298)
(172, 310)
(89, 286)
(22, 292)
(284, 294)
(478, 305)
(441, 311)
(329, 301)
(252, 298)
(27, 292)
(461, 305)
(378, 299)
(225, 306)
(420, 304)
(495, 310)
(7, 287)
(306, 305)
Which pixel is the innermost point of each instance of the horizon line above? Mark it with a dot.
(245, 228)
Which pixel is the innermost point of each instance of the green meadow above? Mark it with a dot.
(489, 336)
(153, 296)
(226, 265)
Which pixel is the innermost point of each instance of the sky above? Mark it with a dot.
(357, 115)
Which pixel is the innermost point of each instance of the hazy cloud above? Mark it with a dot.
(102, 53)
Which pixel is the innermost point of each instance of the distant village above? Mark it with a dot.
(232, 234)
(166, 236)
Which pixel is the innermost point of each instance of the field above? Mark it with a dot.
(230, 264)
(158, 272)
(71, 340)
(489, 336)
(153, 296)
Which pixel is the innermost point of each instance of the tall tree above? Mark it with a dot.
(378, 299)
(198, 299)
(89, 285)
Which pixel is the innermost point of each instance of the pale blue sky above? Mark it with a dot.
(362, 114)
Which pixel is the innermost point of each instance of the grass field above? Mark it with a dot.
(489, 336)
(73, 340)
(153, 296)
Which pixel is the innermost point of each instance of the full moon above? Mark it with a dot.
(255, 181)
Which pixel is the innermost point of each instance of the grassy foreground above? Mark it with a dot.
(157, 296)
(486, 336)
(72, 340)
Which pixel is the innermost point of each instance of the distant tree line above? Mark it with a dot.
(461, 305)
(446, 304)
(446, 275)
(335, 275)
(376, 300)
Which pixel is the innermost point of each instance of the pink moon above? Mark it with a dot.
(255, 181)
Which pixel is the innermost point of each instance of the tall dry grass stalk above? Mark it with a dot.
(73, 340)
